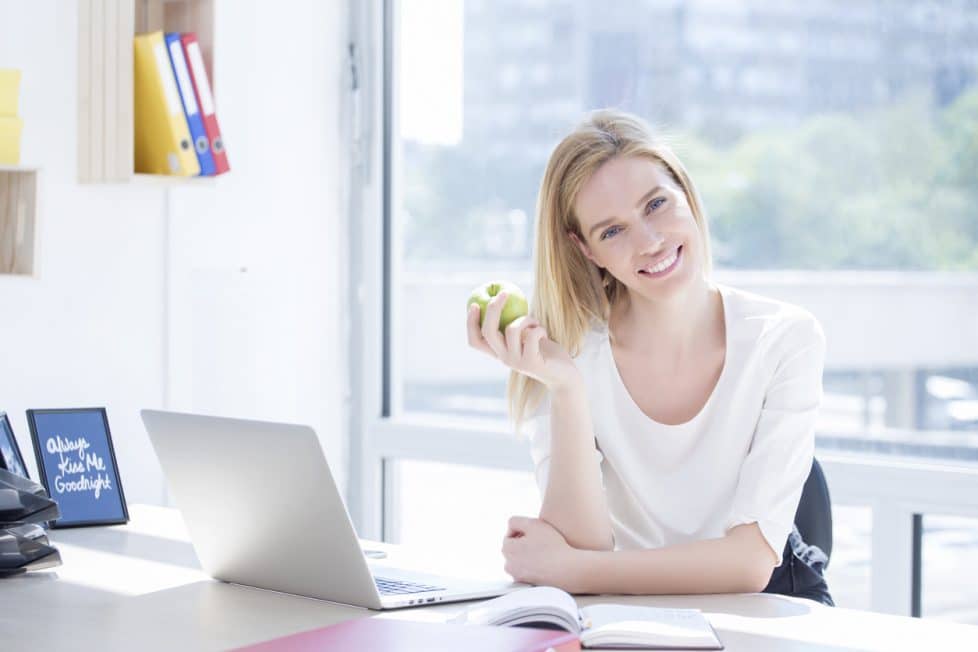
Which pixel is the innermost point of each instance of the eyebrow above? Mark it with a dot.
(611, 219)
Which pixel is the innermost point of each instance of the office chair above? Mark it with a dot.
(813, 517)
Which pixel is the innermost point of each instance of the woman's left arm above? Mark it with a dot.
(739, 562)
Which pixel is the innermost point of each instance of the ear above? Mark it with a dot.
(583, 247)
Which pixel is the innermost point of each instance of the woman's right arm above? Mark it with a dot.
(574, 499)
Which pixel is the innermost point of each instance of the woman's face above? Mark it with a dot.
(638, 225)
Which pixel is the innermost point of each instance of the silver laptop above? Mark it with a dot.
(262, 509)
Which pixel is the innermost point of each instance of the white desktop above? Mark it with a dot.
(139, 586)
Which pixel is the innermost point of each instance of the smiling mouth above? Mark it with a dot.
(664, 266)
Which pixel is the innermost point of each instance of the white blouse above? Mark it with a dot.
(742, 459)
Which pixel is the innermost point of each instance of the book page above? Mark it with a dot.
(613, 625)
(539, 604)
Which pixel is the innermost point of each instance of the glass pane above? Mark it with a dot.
(478, 503)
(948, 569)
(831, 139)
(848, 571)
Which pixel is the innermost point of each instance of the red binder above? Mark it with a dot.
(205, 99)
(388, 635)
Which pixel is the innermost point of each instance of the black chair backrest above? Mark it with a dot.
(814, 515)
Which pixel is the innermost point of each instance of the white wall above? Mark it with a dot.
(141, 299)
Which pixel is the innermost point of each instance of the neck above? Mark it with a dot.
(673, 327)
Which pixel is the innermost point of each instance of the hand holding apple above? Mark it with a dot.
(515, 307)
(502, 329)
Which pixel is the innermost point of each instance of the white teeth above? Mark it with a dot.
(664, 264)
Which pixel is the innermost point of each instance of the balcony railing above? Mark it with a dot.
(894, 488)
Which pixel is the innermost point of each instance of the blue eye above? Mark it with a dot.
(654, 204)
(610, 232)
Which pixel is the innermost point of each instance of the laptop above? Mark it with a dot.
(263, 510)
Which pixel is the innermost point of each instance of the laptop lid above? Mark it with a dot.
(261, 505)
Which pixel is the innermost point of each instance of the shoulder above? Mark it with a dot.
(774, 325)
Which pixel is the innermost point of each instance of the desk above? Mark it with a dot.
(139, 587)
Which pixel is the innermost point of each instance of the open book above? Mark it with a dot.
(599, 625)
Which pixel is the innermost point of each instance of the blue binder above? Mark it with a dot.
(190, 109)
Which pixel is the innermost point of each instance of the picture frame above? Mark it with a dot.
(10, 456)
(77, 465)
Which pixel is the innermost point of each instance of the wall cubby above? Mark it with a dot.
(18, 221)
(105, 83)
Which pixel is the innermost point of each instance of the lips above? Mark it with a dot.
(663, 264)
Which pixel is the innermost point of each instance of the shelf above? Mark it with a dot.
(18, 221)
(164, 180)
(105, 77)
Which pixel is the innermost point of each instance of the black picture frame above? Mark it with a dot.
(10, 455)
(83, 510)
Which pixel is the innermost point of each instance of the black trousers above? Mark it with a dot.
(801, 573)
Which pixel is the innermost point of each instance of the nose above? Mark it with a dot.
(650, 240)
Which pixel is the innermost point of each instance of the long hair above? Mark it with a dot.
(571, 294)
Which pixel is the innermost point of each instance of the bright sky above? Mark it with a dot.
(430, 71)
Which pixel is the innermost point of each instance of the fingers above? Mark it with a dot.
(476, 341)
(531, 343)
(518, 522)
(514, 548)
(507, 346)
(515, 335)
(490, 325)
(512, 542)
(508, 545)
(518, 525)
(518, 346)
(512, 336)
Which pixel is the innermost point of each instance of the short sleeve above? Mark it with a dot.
(780, 456)
(538, 430)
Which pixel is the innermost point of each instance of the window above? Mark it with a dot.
(836, 150)
(950, 545)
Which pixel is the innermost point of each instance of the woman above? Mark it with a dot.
(672, 418)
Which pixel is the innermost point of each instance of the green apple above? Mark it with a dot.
(515, 307)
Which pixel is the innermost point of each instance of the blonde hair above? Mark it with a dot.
(570, 292)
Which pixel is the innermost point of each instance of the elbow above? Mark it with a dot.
(759, 581)
(758, 575)
(606, 544)
(581, 538)
(759, 559)
(756, 571)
